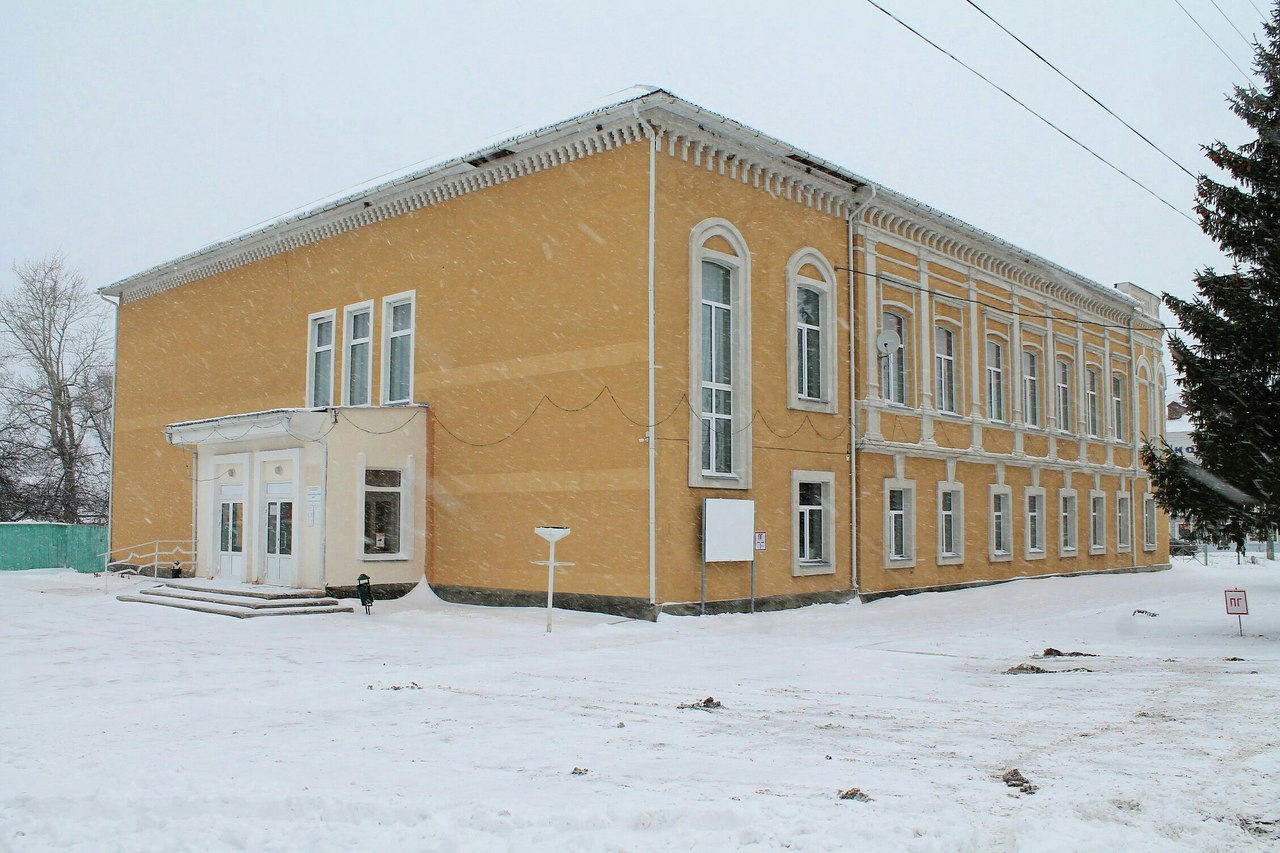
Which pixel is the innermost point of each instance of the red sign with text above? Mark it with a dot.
(1237, 602)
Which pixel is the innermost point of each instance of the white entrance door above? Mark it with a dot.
(231, 538)
(278, 534)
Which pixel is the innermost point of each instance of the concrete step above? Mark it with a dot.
(250, 590)
(239, 602)
(218, 597)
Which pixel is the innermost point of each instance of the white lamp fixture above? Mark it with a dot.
(552, 535)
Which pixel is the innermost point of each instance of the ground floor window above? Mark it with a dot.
(899, 521)
(1149, 522)
(812, 522)
(1097, 523)
(1068, 522)
(1001, 533)
(383, 500)
(950, 522)
(1035, 524)
(1124, 522)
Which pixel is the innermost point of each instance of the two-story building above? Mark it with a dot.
(601, 323)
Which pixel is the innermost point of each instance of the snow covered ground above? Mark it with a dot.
(430, 726)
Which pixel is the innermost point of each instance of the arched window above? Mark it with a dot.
(995, 380)
(720, 363)
(1063, 400)
(1031, 387)
(893, 367)
(811, 358)
(1092, 410)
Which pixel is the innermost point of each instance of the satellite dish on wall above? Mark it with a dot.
(888, 341)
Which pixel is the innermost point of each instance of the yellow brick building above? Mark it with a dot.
(602, 323)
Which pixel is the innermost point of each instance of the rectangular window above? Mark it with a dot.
(397, 348)
(1093, 421)
(809, 346)
(1124, 521)
(944, 356)
(1001, 523)
(1035, 524)
(893, 367)
(811, 542)
(995, 381)
(813, 538)
(382, 511)
(1149, 522)
(1068, 524)
(717, 369)
(358, 355)
(1117, 400)
(231, 528)
(1097, 523)
(1064, 395)
(1031, 387)
(320, 361)
(948, 543)
(898, 537)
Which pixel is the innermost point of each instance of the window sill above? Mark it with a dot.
(805, 404)
(951, 560)
(1001, 557)
(1093, 549)
(900, 563)
(1149, 547)
(383, 558)
(810, 569)
(1035, 555)
(1068, 552)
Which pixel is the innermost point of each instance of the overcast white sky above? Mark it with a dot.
(133, 132)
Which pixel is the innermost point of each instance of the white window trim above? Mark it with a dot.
(1150, 532)
(907, 316)
(827, 330)
(406, 469)
(1119, 405)
(1027, 494)
(909, 524)
(1074, 550)
(957, 510)
(938, 359)
(742, 410)
(1095, 548)
(347, 328)
(1006, 522)
(828, 481)
(991, 373)
(330, 315)
(1063, 415)
(1121, 528)
(1093, 420)
(1027, 382)
(388, 303)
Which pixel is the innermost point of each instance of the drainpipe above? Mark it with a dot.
(651, 133)
(1133, 420)
(111, 471)
(861, 198)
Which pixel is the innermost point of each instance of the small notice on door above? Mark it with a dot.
(760, 540)
(315, 505)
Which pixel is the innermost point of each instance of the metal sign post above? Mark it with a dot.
(552, 535)
(1237, 605)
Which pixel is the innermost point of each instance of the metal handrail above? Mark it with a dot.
(151, 553)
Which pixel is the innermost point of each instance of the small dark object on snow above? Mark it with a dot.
(708, 704)
(579, 771)
(1051, 652)
(828, 758)
(1233, 658)
(622, 725)
(1015, 779)
(1024, 669)
(855, 794)
(1144, 613)
(366, 593)
(1258, 826)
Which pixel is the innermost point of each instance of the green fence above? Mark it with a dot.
(46, 545)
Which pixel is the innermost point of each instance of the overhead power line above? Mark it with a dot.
(1243, 38)
(1081, 89)
(1011, 97)
(1211, 38)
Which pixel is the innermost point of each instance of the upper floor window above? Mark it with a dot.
(1092, 413)
(397, 348)
(944, 356)
(719, 360)
(893, 367)
(1063, 406)
(995, 381)
(811, 309)
(809, 367)
(1117, 402)
(358, 368)
(1031, 387)
(320, 360)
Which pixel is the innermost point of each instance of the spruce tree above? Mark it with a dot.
(1229, 366)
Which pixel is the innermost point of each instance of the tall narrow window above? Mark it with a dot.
(947, 542)
(1031, 387)
(1093, 420)
(320, 361)
(1000, 523)
(1097, 523)
(812, 526)
(1124, 522)
(1068, 524)
(1035, 524)
(717, 369)
(812, 538)
(397, 348)
(383, 493)
(898, 539)
(893, 367)
(944, 356)
(995, 381)
(359, 364)
(809, 344)
(1117, 402)
(1149, 522)
(1064, 395)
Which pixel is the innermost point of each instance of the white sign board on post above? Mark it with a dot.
(728, 536)
(1237, 605)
